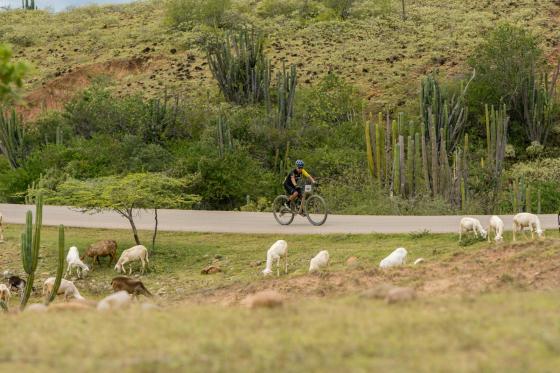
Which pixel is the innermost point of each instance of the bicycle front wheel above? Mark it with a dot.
(316, 210)
(281, 210)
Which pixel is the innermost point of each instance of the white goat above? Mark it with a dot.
(471, 225)
(74, 261)
(396, 258)
(66, 287)
(278, 250)
(5, 294)
(138, 252)
(120, 299)
(319, 261)
(497, 225)
(527, 220)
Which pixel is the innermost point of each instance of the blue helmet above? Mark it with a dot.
(299, 163)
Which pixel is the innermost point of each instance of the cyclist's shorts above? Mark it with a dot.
(290, 189)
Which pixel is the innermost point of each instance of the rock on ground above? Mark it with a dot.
(397, 295)
(210, 270)
(378, 292)
(264, 299)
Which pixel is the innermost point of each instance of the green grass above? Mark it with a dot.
(517, 332)
(179, 257)
(507, 328)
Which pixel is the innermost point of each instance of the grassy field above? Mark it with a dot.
(375, 50)
(479, 307)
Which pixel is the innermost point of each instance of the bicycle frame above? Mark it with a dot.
(305, 192)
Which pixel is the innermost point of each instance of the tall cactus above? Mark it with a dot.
(388, 153)
(497, 122)
(378, 152)
(369, 148)
(515, 196)
(30, 242)
(240, 66)
(410, 166)
(449, 113)
(286, 87)
(12, 138)
(225, 141)
(60, 267)
(402, 165)
(28, 5)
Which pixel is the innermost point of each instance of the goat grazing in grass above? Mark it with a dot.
(66, 287)
(396, 258)
(137, 252)
(101, 248)
(497, 225)
(5, 294)
(527, 220)
(319, 261)
(130, 285)
(471, 225)
(74, 261)
(120, 299)
(278, 250)
(15, 283)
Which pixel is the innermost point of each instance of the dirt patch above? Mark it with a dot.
(523, 266)
(55, 93)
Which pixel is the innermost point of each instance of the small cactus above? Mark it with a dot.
(60, 267)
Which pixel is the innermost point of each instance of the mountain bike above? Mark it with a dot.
(310, 204)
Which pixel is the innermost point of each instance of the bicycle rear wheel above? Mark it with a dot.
(283, 215)
(316, 210)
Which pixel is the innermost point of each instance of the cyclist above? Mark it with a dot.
(292, 180)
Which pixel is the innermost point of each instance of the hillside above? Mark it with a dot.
(382, 55)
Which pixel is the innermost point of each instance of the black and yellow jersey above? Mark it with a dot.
(297, 175)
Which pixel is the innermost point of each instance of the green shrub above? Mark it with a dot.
(332, 101)
(340, 7)
(184, 14)
(14, 182)
(366, 9)
(273, 8)
(511, 68)
(225, 182)
(21, 40)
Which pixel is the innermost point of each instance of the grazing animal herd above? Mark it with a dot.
(398, 257)
(105, 248)
(520, 222)
(126, 288)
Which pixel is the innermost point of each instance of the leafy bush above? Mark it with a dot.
(340, 7)
(511, 68)
(183, 14)
(22, 40)
(332, 102)
(366, 9)
(503, 61)
(225, 182)
(273, 8)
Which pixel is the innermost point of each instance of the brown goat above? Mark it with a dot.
(130, 285)
(101, 248)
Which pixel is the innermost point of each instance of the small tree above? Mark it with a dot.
(11, 75)
(125, 195)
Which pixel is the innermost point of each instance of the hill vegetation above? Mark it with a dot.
(144, 88)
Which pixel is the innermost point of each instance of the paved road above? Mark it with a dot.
(250, 222)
